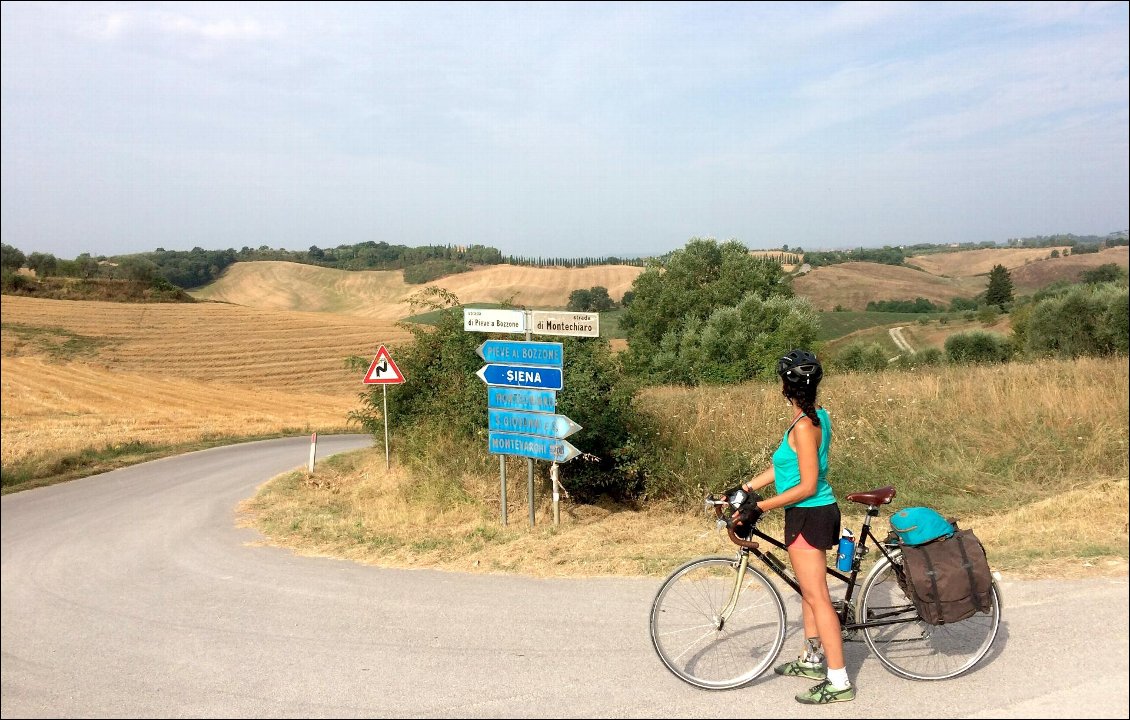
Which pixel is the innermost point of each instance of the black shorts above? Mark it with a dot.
(819, 525)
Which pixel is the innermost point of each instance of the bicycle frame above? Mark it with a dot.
(844, 611)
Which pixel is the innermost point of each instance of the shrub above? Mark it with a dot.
(860, 356)
(926, 357)
(1085, 320)
(978, 346)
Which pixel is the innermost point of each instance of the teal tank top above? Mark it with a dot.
(786, 468)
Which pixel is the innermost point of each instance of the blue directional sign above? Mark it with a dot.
(530, 423)
(532, 446)
(514, 352)
(521, 376)
(514, 399)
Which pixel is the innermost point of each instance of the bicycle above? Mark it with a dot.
(718, 622)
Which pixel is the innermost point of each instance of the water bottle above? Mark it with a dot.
(846, 553)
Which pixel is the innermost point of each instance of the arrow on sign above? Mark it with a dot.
(521, 376)
(530, 423)
(383, 371)
(516, 399)
(516, 352)
(541, 448)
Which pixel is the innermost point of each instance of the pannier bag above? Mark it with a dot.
(949, 579)
(917, 525)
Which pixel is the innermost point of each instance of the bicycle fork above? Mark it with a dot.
(739, 576)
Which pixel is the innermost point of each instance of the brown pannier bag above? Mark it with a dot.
(949, 579)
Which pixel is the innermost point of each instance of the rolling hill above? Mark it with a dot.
(383, 294)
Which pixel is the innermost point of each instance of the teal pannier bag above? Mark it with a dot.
(920, 525)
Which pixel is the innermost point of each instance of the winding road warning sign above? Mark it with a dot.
(383, 371)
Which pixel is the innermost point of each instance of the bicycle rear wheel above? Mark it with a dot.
(701, 647)
(915, 649)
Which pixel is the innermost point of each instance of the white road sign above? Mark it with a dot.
(492, 320)
(573, 324)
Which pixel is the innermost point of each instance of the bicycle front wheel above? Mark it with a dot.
(703, 645)
(912, 648)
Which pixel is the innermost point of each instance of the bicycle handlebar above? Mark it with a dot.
(720, 502)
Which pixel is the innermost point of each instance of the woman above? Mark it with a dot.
(812, 526)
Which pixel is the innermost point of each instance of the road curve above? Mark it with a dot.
(900, 341)
(133, 594)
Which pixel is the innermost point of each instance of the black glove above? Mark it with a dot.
(736, 496)
(745, 517)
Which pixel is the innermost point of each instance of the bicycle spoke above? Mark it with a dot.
(700, 646)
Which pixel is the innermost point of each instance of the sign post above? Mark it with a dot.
(383, 372)
(522, 382)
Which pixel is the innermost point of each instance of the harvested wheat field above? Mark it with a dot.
(80, 374)
(970, 263)
(852, 285)
(383, 294)
(209, 342)
(64, 408)
(1036, 275)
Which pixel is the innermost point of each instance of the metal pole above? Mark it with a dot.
(384, 392)
(530, 461)
(502, 475)
(556, 494)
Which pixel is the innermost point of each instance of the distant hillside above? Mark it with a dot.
(384, 294)
(970, 263)
(941, 277)
(1036, 275)
(852, 285)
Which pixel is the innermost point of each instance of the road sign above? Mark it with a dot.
(521, 376)
(532, 446)
(489, 320)
(532, 423)
(514, 399)
(383, 371)
(573, 324)
(516, 352)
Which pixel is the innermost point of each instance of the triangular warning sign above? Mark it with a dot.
(383, 371)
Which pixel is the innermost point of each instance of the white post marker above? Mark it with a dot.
(383, 372)
(313, 445)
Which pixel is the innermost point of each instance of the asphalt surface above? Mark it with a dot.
(134, 594)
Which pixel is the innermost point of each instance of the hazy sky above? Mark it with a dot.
(559, 129)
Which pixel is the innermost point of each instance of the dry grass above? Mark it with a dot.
(82, 374)
(55, 408)
(971, 263)
(1036, 275)
(383, 294)
(209, 342)
(853, 285)
(1060, 512)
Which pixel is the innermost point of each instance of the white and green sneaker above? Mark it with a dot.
(802, 669)
(824, 693)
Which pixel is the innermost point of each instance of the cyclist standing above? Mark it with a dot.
(812, 526)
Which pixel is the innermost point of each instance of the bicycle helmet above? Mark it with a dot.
(799, 367)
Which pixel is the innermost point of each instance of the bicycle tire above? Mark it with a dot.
(689, 638)
(915, 649)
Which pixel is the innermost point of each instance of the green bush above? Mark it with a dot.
(988, 315)
(14, 282)
(433, 269)
(861, 357)
(926, 357)
(1085, 320)
(978, 346)
(737, 343)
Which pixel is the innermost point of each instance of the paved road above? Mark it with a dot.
(133, 594)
